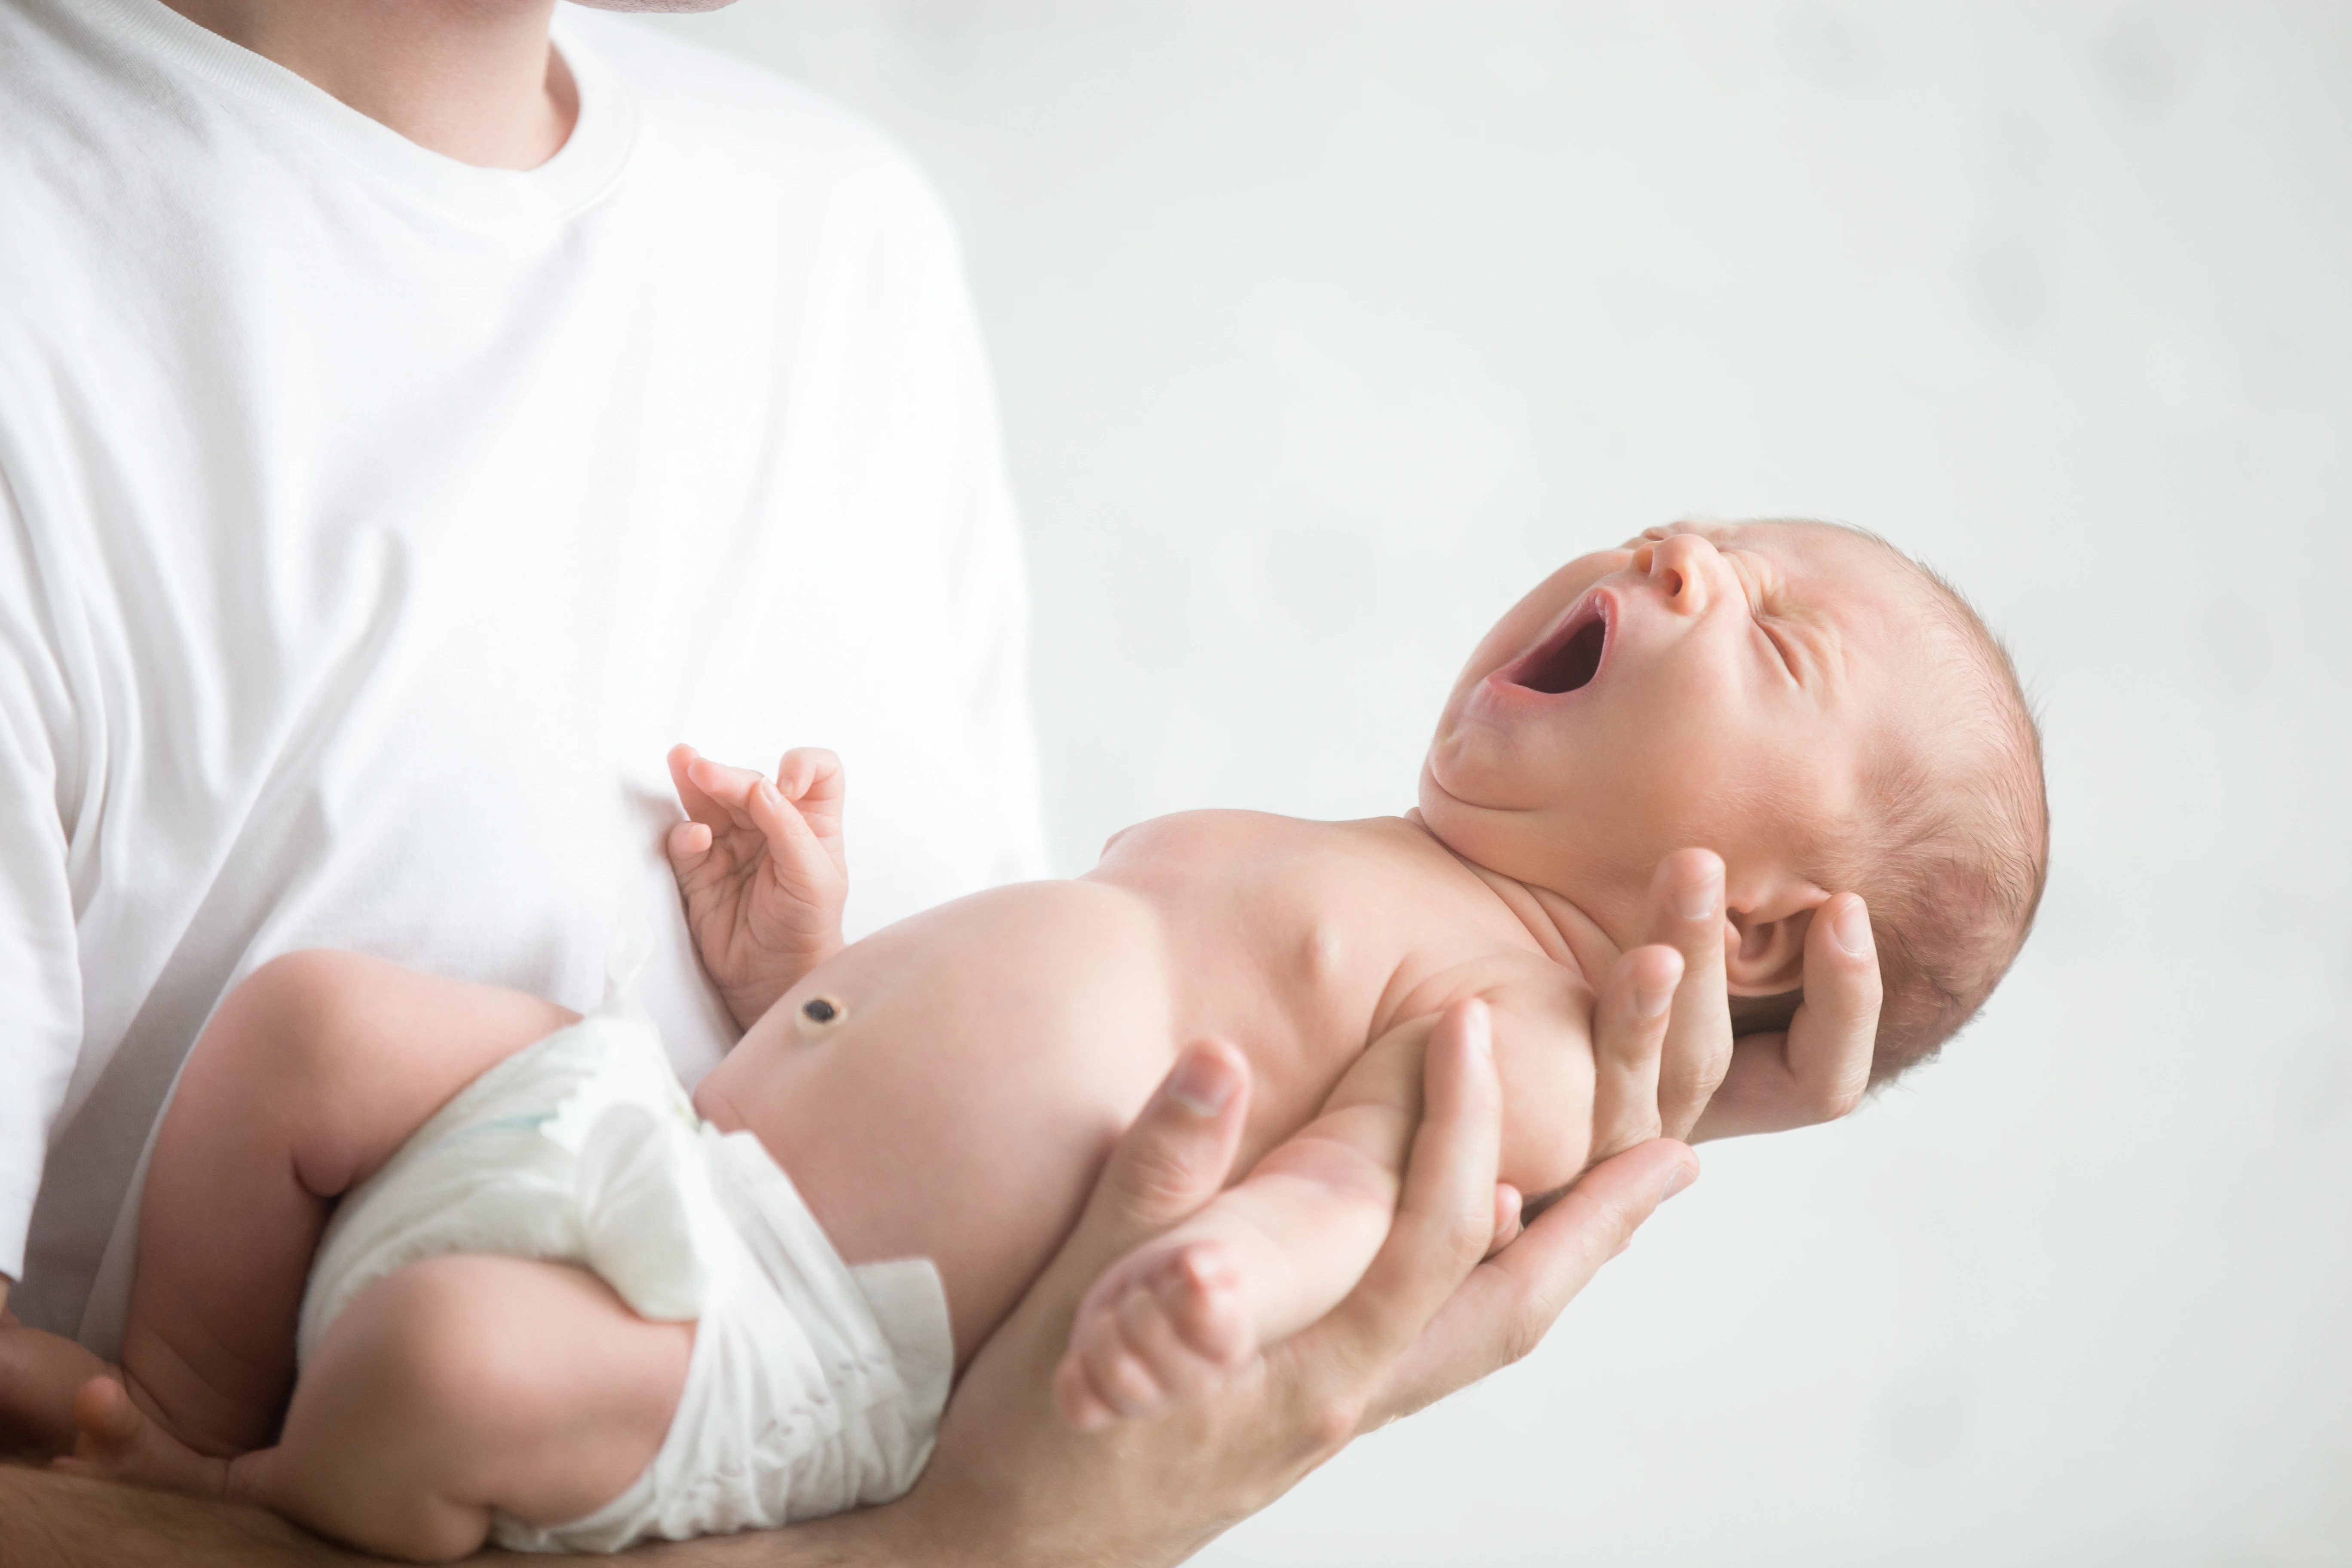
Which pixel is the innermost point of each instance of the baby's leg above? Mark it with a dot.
(447, 1389)
(310, 1073)
(1267, 1258)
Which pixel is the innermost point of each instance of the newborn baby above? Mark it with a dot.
(674, 1337)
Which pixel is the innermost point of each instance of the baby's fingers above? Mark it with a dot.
(1630, 1037)
(811, 778)
(729, 789)
(698, 805)
(688, 847)
(798, 861)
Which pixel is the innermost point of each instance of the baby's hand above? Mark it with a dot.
(762, 869)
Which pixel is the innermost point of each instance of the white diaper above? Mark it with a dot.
(813, 1386)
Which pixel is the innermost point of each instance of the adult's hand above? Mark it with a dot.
(1712, 1085)
(1012, 1482)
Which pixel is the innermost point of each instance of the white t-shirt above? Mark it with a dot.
(371, 524)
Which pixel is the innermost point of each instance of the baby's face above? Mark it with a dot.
(1711, 686)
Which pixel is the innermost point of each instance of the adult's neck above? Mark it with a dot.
(472, 79)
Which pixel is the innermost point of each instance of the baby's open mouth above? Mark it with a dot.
(1571, 656)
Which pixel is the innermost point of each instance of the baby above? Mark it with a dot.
(558, 1307)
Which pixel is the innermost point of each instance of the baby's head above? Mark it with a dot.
(1802, 698)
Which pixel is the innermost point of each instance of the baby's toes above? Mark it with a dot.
(1199, 1293)
(1119, 1367)
(118, 1442)
(1075, 1396)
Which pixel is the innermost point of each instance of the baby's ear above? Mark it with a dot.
(1764, 950)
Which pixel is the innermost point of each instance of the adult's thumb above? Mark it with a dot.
(1172, 1160)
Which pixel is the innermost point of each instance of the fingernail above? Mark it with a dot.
(1680, 1177)
(1851, 931)
(1200, 1084)
(1695, 902)
(1649, 1004)
(1481, 1023)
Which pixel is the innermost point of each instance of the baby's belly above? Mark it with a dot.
(981, 1059)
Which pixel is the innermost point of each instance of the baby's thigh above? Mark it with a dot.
(336, 1058)
(492, 1381)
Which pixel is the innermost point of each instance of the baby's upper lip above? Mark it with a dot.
(1569, 656)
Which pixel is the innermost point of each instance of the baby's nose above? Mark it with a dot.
(1679, 563)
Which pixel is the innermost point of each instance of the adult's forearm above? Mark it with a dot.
(50, 1520)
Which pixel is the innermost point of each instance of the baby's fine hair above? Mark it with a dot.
(1957, 848)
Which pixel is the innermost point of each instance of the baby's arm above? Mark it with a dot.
(762, 871)
(1270, 1255)
(1172, 1320)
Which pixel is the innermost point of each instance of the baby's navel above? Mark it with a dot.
(820, 1016)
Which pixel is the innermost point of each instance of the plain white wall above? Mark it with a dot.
(1324, 329)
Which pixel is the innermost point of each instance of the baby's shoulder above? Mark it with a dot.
(1201, 838)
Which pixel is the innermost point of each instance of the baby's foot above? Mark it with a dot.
(1161, 1327)
(121, 1442)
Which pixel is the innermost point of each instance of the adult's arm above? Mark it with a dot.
(1012, 1482)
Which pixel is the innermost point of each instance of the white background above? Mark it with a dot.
(1325, 328)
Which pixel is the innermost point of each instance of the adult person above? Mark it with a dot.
(409, 415)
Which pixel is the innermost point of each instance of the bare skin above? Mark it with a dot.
(1322, 951)
(473, 80)
(465, 80)
(1429, 1317)
(946, 1088)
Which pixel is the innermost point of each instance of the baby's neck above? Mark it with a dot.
(1566, 932)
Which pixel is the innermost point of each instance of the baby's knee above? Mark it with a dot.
(301, 992)
(280, 1026)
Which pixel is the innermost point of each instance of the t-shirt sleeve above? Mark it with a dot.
(40, 973)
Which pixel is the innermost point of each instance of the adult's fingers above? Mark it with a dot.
(1503, 1310)
(1818, 1070)
(1685, 912)
(1628, 1029)
(1172, 1160)
(1445, 1219)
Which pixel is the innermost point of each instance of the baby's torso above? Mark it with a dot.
(948, 1087)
